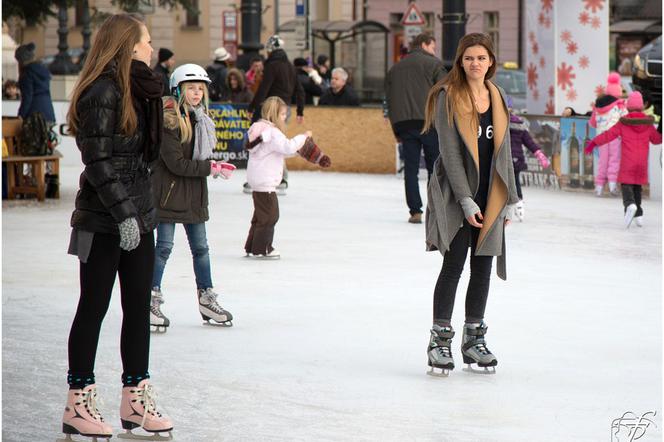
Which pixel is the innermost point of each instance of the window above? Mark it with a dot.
(192, 18)
(491, 27)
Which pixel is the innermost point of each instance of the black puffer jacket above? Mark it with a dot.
(115, 183)
(279, 79)
(179, 182)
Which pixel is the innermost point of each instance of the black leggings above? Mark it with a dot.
(631, 194)
(517, 181)
(448, 280)
(97, 278)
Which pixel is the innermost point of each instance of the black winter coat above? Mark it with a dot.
(279, 79)
(311, 89)
(115, 184)
(218, 71)
(35, 85)
(165, 77)
(179, 183)
(345, 97)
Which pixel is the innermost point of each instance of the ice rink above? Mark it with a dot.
(329, 343)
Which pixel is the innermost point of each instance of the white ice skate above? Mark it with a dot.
(598, 190)
(159, 323)
(630, 211)
(613, 188)
(639, 221)
(211, 310)
(269, 256)
(519, 211)
(138, 410)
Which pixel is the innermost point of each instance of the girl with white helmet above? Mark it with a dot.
(179, 183)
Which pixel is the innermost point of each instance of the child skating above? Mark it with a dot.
(179, 182)
(637, 131)
(268, 147)
(608, 110)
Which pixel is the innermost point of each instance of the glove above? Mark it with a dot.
(226, 170)
(215, 169)
(543, 160)
(325, 161)
(589, 148)
(510, 211)
(130, 234)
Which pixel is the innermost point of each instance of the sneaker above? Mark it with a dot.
(630, 211)
(81, 415)
(639, 221)
(246, 188)
(415, 218)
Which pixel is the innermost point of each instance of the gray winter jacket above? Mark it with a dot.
(407, 85)
(456, 176)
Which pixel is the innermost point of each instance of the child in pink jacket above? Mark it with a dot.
(268, 147)
(637, 131)
(606, 113)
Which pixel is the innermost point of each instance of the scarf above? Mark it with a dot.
(205, 135)
(146, 89)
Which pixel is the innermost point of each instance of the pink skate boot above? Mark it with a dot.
(138, 409)
(82, 417)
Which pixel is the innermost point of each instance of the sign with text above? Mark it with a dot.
(545, 131)
(232, 123)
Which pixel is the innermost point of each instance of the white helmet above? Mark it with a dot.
(187, 72)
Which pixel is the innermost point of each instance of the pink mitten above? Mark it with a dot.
(215, 169)
(543, 160)
(226, 170)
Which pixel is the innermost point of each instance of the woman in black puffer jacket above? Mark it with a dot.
(116, 115)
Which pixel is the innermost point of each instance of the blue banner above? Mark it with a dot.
(232, 123)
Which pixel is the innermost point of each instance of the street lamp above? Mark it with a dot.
(62, 65)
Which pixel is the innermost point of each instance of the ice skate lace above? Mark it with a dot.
(147, 396)
(210, 301)
(481, 347)
(155, 306)
(91, 400)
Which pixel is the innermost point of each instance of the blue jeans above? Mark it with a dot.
(413, 142)
(199, 251)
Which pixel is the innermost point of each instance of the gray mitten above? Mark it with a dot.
(130, 234)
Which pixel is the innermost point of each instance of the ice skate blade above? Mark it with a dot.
(218, 324)
(159, 329)
(80, 437)
(443, 373)
(152, 436)
(480, 370)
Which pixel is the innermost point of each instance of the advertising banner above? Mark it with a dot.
(545, 131)
(232, 123)
(578, 169)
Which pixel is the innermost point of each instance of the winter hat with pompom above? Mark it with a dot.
(635, 101)
(613, 85)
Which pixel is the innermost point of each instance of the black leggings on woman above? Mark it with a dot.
(97, 277)
(448, 280)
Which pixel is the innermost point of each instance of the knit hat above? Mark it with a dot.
(312, 153)
(300, 62)
(613, 85)
(635, 101)
(274, 42)
(25, 53)
(221, 54)
(322, 58)
(164, 54)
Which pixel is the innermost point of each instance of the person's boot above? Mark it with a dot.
(81, 415)
(138, 409)
(415, 218)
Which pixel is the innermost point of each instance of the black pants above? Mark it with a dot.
(261, 232)
(518, 183)
(448, 280)
(97, 278)
(631, 194)
(413, 143)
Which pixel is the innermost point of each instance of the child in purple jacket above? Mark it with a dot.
(520, 137)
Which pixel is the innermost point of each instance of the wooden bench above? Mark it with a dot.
(26, 175)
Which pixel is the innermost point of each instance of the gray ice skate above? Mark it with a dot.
(439, 352)
(158, 321)
(475, 351)
(211, 310)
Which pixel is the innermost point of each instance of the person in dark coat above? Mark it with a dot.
(34, 81)
(309, 79)
(239, 92)
(279, 80)
(519, 137)
(324, 69)
(406, 86)
(217, 72)
(116, 116)
(165, 63)
(340, 92)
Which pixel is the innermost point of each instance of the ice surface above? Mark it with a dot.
(329, 343)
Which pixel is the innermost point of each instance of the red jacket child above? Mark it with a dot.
(637, 132)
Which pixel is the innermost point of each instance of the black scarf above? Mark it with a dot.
(146, 89)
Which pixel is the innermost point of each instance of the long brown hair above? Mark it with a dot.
(455, 81)
(114, 41)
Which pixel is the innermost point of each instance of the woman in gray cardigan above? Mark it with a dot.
(468, 196)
